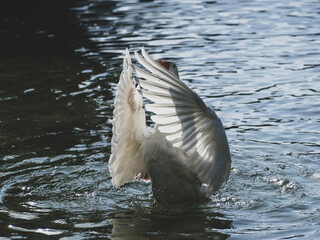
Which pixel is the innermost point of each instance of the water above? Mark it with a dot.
(255, 62)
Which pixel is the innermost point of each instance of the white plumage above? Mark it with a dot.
(186, 156)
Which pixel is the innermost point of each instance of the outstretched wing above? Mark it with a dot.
(187, 122)
(129, 128)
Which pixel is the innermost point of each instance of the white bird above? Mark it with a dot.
(186, 156)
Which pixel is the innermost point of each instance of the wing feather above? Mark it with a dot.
(187, 122)
(129, 127)
(155, 78)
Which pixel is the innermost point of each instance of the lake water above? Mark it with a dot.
(257, 63)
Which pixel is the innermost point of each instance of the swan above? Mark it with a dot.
(186, 156)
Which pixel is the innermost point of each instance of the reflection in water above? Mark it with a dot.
(169, 224)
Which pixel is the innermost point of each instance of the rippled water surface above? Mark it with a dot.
(257, 63)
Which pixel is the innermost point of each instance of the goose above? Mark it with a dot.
(186, 156)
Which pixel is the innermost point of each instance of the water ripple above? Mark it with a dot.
(256, 63)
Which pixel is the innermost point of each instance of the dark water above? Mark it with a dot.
(257, 63)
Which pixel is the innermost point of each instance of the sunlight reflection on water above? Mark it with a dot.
(256, 63)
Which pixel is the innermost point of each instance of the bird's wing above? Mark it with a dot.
(129, 128)
(187, 122)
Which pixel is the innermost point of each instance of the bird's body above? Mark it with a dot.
(186, 156)
(172, 180)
